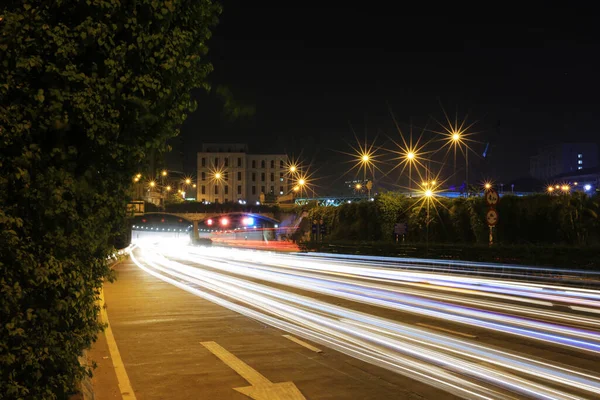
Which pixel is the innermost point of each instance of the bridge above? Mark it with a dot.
(209, 223)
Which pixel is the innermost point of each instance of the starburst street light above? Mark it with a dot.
(168, 188)
(457, 136)
(550, 189)
(164, 172)
(152, 184)
(487, 186)
(188, 181)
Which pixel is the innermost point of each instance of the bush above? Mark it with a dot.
(89, 88)
(536, 219)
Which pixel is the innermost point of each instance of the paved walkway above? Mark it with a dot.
(175, 345)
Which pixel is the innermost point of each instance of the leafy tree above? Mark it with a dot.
(88, 88)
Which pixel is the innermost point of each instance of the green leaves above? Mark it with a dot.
(83, 100)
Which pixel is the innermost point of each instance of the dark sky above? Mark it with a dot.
(528, 77)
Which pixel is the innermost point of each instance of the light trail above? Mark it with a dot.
(259, 285)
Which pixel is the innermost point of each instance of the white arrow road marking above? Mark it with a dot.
(260, 387)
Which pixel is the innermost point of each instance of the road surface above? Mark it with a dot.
(322, 327)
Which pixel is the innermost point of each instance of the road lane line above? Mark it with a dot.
(303, 343)
(591, 310)
(446, 330)
(127, 392)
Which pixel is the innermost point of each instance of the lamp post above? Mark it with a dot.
(410, 158)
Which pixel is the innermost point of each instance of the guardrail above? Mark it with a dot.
(562, 276)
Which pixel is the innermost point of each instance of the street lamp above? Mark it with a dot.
(188, 181)
(487, 186)
(550, 189)
(218, 175)
(358, 186)
(168, 188)
(152, 184)
(164, 172)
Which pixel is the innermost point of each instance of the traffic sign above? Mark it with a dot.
(491, 217)
(491, 197)
(400, 228)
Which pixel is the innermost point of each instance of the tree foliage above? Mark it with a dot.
(87, 89)
(538, 219)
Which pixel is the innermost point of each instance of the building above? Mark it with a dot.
(586, 180)
(564, 158)
(228, 173)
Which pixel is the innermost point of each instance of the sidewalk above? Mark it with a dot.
(175, 345)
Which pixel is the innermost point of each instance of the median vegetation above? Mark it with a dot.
(89, 89)
(539, 229)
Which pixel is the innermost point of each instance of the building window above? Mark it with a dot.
(580, 162)
(579, 155)
(226, 189)
(203, 189)
(204, 161)
(239, 175)
(239, 189)
(281, 177)
(253, 163)
(262, 164)
(262, 189)
(239, 161)
(204, 176)
(579, 167)
(253, 189)
(272, 177)
(227, 161)
(216, 189)
(262, 176)
(254, 177)
(281, 164)
(216, 161)
(272, 163)
(272, 189)
(280, 189)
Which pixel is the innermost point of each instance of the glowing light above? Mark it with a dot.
(248, 221)
(209, 222)
(152, 183)
(218, 175)
(550, 189)
(428, 193)
(168, 188)
(410, 155)
(188, 181)
(224, 221)
(565, 188)
(456, 136)
(358, 186)
(587, 188)
(433, 183)
(293, 168)
(301, 181)
(487, 186)
(296, 188)
(138, 176)
(365, 158)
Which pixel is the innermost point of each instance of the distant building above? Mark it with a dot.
(228, 173)
(586, 180)
(564, 158)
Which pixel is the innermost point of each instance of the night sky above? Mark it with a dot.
(316, 74)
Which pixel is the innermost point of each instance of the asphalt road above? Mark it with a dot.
(384, 330)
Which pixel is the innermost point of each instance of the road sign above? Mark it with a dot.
(491, 197)
(491, 217)
(400, 229)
